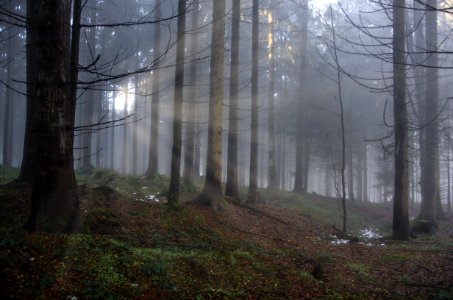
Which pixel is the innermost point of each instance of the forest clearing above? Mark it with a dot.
(133, 247)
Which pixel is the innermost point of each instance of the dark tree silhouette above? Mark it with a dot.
(55, 204)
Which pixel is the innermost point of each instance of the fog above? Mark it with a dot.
(118, 63)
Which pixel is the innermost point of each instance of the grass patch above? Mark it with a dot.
(8, 174)
(362, 271)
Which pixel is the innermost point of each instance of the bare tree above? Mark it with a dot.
(334, 53)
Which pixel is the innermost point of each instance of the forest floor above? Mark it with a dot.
(288, 247)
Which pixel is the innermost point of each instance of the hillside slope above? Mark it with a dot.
(132, 247)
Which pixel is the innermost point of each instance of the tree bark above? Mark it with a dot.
(112, 134)
(431, 209)
(189, 169)
(124, 156)
(135, 127)
(54, 200)
(153, 165)
(212, 190)
(350, 173)
(8, 121)
(232, 161)
(365, 173)
(173, 193)
(253, 183)
(299, 172)
(29, 159)
(272, 171)
(401, 191)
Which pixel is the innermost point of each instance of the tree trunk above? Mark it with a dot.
(212, 190)
(448, 179)
(124, 159)
(350, 174)
(232, 161)
(365, 173)
(189, 169)
(342, 123)
(401, 192)
(112, 134)
(298, 176)
(173, 193)
(135, 127)
(306, 165)
(99, 118)
(8, 121)
(153, 165)
(88, 106)
(253, 183)
(272, 171)
(359, 177)
(431, 208)
(55, 205)
(29, 158)
(299, 173)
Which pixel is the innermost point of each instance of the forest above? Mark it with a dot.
(227, 149)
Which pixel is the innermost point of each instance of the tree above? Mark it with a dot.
(8, 120)
(90, 97)
(401, 191)
(232, 158)
(301, 147)
(54, 200)
(112, 134)
(153, 166)
(173, 193)
(29, 159)
(125, 127)
(342, 126)
(272, 171)
(253, 183)
(189, 153)
(212, 190)
(135, 128)
(430, 209)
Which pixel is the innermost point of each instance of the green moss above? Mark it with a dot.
(400, 257)
(222, 293)
(306, 276)
(361, 270)
(8, 174)
(107, 272)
